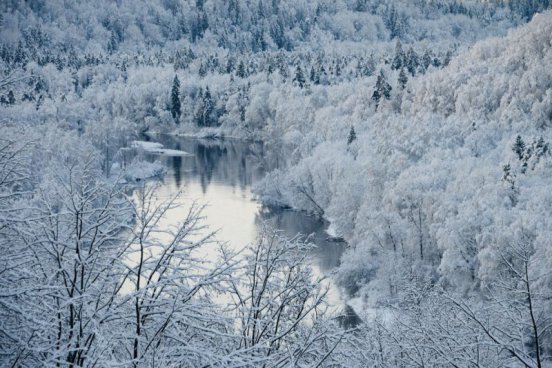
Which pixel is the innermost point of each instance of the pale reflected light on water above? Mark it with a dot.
(228, 210)
(220, 175)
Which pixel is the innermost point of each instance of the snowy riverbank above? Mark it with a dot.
(157, 148)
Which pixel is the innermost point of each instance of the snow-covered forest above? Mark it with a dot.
(419, 129)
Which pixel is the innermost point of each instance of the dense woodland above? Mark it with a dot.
(419, 129)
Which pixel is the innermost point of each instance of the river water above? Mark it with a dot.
(220, 174)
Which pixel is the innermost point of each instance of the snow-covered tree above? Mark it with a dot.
(175, 100)
(299, 78)
(352, 136)
(403, 79)
(382, 89)
(280, 306)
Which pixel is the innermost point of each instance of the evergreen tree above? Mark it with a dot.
(412, 61)
(230, 64)
(39, 101)
(395, 22)
(369, 66)
(398, 59)
(376, 96)
(508, 176)
(270, 68)
(204, 23)
(262, 41)
(20, 56)
(403, 79)
(243, 101)
(11, 98)
(202, 70)
(541, 148)
(299, 78)
(312, 76)
(426, 60)
(59, 63)
(519, 147)
(360, 6)
(178, 61)
(240, 71)
(205, 109)
(322, 75)
(352, 136)
(113, 44)
(337, 69)
(175, 100)
(208, 108)
(383, 89)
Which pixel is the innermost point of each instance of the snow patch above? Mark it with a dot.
(332, 230)
(138, 171)
(157, 148)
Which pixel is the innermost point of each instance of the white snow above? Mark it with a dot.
(332, 230)
(147, 146)
(157, 148)
(137, 171)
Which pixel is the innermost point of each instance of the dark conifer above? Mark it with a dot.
(11, 98)
(352, 136)
(398, 59)
(240, 71)
(403, 79)
(519, 147)
(175, 100)
(299, 78)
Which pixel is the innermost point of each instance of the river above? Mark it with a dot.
(220, 174)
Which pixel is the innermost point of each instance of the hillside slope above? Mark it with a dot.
(438, 175)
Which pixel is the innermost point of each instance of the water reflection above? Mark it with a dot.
(177, 167)
(221, 175)
(230, 162)
(327, 253)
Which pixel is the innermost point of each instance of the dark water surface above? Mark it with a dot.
(221, 174)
